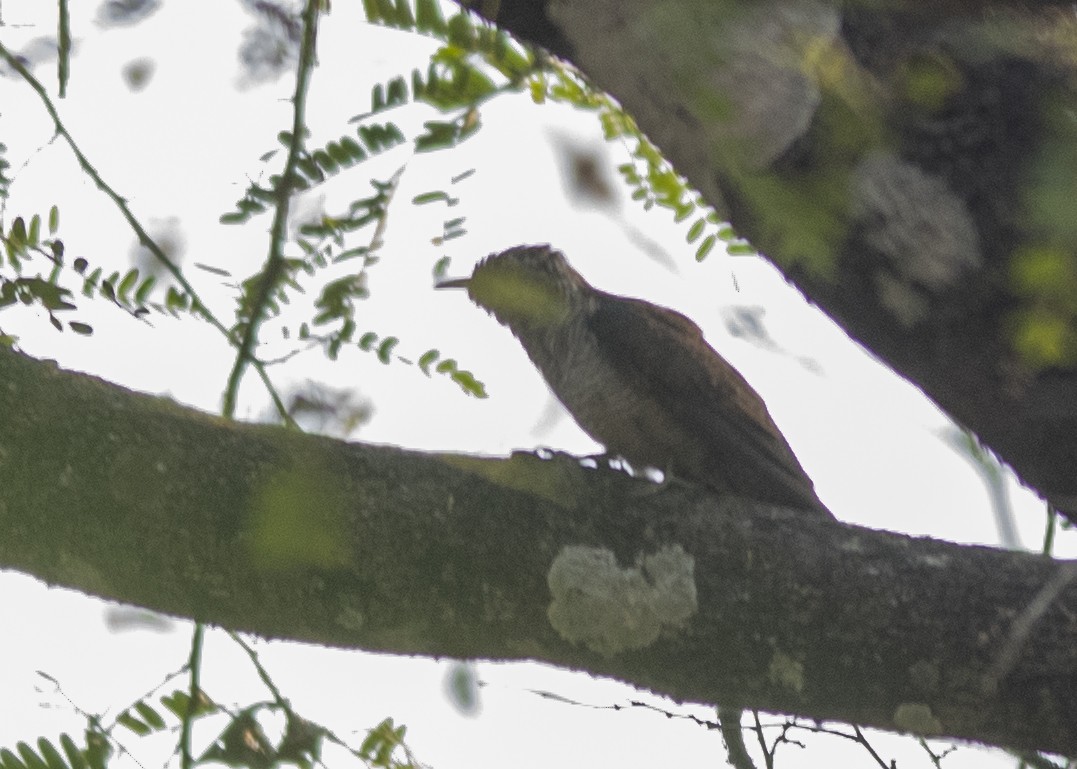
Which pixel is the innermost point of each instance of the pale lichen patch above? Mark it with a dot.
(920, 225)
(916, 717)
(611, 609)
(351, 618)
(785, 671)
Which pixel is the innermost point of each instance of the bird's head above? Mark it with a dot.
(528, 287)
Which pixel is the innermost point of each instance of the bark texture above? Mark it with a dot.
(286, 535)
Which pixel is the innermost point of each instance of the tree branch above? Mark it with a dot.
(909, 166)
(261, 529)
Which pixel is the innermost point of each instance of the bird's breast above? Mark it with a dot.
(605, 402)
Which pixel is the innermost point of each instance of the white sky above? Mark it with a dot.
(181, 151)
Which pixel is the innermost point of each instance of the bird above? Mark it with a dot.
(640, 379)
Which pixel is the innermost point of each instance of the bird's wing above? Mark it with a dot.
(664, 355)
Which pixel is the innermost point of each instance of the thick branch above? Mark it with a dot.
(267, 530)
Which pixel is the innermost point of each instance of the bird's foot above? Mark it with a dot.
(604, 459)
(667, 481)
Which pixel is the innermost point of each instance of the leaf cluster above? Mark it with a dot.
(315, 167)
(454, 80)
(99, 743)
(23, 245)
(458, 75)
(5, 166)
(26, 245)
(242, 743)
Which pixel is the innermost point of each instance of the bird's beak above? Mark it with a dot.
(453, 283)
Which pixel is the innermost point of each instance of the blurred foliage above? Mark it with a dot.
(27, 249)
(24, 244)
(1043, 330)
(243, 740)
(122, 13)
(5, 167)
(477, 61)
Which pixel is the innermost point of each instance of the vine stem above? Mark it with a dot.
(272, 271)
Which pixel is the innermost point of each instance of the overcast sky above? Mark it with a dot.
(181, 149)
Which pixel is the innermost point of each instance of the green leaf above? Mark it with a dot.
(538, 90)
(439, 135)
(83, 329)
(35, 230)
(51, 755)
(372, 11)
(462, 31)
(149, 715)
(367, 340)
(509, 60)
(428, 18)
(178, 704)
(379, 137)
(144, 290)
(18, 232)
(135, 725)
(51, 296)
(74, 755)
(469, 384)
(351, 253)
(385, 349)
(427, 359)
(9, 760)
(176, 301)
(90, 282)
(386, 11)
(310, 169)
(404, 19)
(261, 194)
(98, 750)
(705, 247)
(681, 211)
(325, 161)
(433, 197)
(128, 282)
(352, 147)
(339, 154)
(696, 230)
(29, 757)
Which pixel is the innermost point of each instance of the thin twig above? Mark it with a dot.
(733, 736)
(194, 690)
(275, 263)
(144, 238)
(859, 734)
(63, 59)
(262, 672)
